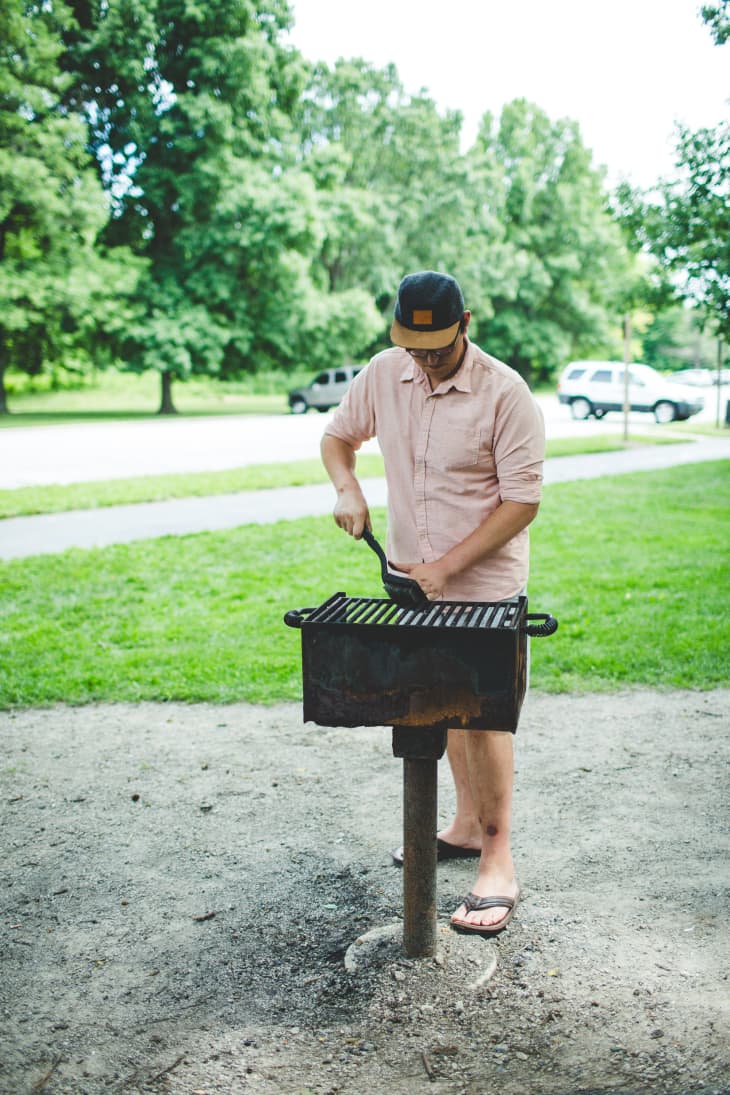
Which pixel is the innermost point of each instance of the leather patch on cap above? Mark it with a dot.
(422, 316)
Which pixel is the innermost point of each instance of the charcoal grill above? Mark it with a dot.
(370, 662)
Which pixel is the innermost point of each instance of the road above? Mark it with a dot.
(33, 456)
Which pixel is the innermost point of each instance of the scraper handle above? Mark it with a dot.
(373, 543)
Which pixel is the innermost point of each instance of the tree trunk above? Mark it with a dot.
(166, 404)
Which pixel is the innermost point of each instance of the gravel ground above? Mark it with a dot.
(182, 885)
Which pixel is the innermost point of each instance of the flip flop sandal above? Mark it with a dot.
(474, 903)
(444, 850)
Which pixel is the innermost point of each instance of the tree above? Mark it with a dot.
(521, 220)
(55, 286)
(544, 255)
(688, 228)
(686, 223)
(190, 107)
(389, 175)
(717, 18)
(674, 340)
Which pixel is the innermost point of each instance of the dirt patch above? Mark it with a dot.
(182, 883)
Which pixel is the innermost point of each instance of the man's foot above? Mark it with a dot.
(444, 850)
(490, 910)
(459, 835)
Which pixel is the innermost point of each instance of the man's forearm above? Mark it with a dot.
(339, 461)
(509, 519)
(351, 509)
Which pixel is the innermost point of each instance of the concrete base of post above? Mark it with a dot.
(466, 959)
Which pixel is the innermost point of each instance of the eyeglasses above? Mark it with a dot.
(423, 355)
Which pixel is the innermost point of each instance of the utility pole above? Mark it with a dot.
(627, 360)
(719, 383)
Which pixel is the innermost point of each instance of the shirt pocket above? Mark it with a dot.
(457, 449)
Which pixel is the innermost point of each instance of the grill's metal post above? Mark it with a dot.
(420, 749)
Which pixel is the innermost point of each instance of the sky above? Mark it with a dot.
(627, 70)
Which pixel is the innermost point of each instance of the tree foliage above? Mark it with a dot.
(389, 175)
(545, 259)
(247, 210)
(521, 220)
(717, 18)
(61, 297)
(685, 223)
(674, 340)
(188, 104)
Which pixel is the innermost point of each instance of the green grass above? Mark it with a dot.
(634, 567)
(111, 395)
(25, 501)
(637, 569)
(705, 429)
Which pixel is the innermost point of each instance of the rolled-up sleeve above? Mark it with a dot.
(519, 445)
(354, 420)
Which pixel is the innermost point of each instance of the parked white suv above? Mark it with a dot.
(596, 387)
(325, 391)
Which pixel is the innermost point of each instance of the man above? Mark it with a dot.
(463, 444)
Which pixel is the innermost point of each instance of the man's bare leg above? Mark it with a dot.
(464, 830)
(482, 763)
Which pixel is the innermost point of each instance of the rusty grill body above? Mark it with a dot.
(369, 662)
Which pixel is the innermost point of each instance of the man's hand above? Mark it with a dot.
(351, 511)
(431, 577)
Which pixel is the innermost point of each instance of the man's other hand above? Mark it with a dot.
(431, 577)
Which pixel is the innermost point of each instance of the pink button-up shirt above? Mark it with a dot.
(451, 457)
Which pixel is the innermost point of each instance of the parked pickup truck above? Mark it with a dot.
(325, 391)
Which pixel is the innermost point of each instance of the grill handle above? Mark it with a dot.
(548, 626)
(296, 616)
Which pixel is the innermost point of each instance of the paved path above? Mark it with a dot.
(51, 533)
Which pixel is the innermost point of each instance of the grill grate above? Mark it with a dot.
(377, 612)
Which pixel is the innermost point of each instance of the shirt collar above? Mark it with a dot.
(461, 380)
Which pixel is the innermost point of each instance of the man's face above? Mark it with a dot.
(439, 364)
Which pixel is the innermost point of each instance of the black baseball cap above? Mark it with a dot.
(428, 311)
